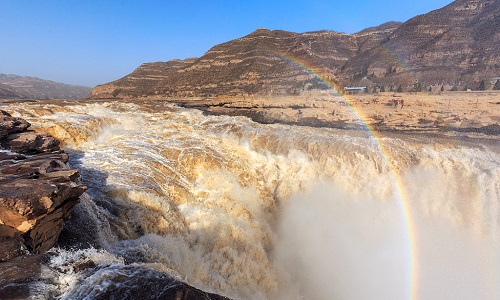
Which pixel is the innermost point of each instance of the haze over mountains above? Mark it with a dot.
(457, 43)
(25, 87)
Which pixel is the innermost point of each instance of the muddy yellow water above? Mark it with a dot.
(254, 211)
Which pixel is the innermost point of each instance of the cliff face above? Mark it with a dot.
(457, 42)
(264, 61)
(37, 189)
(25, 87)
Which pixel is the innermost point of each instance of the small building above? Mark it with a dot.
(354, 89)
(494, 80)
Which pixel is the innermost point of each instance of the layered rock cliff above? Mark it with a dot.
(37, 189)
(265, 61)
(458, 42)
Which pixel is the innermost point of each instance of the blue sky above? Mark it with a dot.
(89, 42)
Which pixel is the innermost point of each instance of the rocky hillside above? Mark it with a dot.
(264, 61)
(25, 87)
(7, 92)
(458, 42)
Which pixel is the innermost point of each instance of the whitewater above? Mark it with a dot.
(253, 211)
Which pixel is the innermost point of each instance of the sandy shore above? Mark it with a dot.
(448, 111)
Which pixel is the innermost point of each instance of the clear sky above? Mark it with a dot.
(90, 42)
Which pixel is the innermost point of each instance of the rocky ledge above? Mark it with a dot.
(447, 112)
(38, 190)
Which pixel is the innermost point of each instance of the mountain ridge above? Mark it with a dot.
(28, 87)
(444, 39)
(453, 44)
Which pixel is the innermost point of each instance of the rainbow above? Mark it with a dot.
(400, 192)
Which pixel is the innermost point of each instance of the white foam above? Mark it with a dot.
(266, 211)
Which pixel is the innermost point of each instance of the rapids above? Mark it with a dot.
(254, 211)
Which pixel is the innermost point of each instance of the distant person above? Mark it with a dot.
(299, 115)
(402, 102)
(395, 103)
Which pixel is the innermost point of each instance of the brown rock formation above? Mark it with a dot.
(265, 61)
(458, 42)
(9, 125)
(37, 191)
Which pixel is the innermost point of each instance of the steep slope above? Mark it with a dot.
(374, 36)
(26, 87)
(458, 41)
(7, 92)
(265, 61)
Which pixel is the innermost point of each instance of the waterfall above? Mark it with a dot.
(254, 211)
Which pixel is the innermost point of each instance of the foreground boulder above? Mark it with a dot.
(112, 282)
(9, 125)
(37, 189)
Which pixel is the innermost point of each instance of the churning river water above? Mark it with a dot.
(254, 211)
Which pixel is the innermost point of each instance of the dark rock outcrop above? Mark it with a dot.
(38, 190)
(121, 282)
(18, 274)
(10, 125)
(130, 282)
(457, 43)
